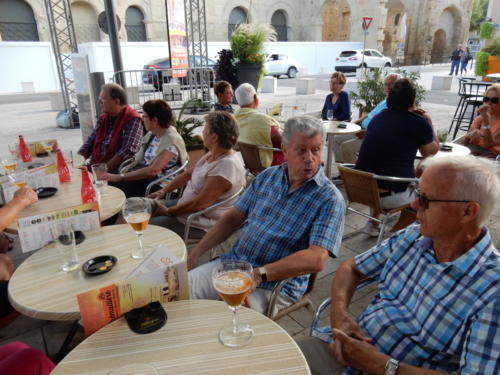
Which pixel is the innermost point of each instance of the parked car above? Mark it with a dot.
(349, 61)
(277, 64)
(157, 76)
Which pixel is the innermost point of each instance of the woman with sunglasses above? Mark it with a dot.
(483, 137)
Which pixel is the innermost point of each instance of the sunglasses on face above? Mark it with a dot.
(423, 201)
(492, 100)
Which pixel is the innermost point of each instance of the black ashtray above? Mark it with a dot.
(99, 265)
(147, 319)
(35, 165)
(342, 125)
(45, 192)
(445, 147)
(42, 154)
(79, 237)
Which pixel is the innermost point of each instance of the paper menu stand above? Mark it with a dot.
(160, 277)
(34, 231)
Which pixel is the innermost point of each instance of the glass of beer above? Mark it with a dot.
(136, 213)
(233, 280)
(9, 165)
(18, 179)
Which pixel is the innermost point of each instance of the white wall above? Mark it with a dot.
(33, 61)
(27, 62)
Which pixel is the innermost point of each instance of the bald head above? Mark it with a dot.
(389, 82)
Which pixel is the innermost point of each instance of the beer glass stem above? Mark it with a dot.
(235, 319)
(141, 246)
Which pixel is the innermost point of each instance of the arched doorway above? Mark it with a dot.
(278, 21)
(134, 25)
(237, 16)
(17, 22)
(336, 21)
(395, 30)
(85, 19)
(450, 22)
(438, 51)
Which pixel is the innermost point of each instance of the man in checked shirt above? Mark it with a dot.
(437, 310)
(119, 130)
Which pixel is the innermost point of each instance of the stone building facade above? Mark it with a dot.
(411, 31)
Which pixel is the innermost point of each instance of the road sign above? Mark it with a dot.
(367, 21)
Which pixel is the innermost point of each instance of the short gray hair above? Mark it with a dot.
(244, 94)
(475, 179)
(393, 76)
(307, 125)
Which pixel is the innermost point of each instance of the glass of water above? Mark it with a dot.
(329, 114)
(64, 236)
(100, 172)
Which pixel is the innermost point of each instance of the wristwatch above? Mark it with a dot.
(122, 175)
(263, 274)
(391, 367)
(486, 126)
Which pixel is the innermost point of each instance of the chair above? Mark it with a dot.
(462, 94)
(361, 187)
(126, 165)
(251, 157)
(194, 215)
(167, 176)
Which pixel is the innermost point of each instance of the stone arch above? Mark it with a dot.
(237, 16)
(438, 51)
(279, 21)
(336, 17)
(134, 24)
(395, 30)
(450, 21)
(85, 20)
(17, 21)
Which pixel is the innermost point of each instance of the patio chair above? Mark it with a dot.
(251, 157)
(126, 165)
(361, 187)
(161, 179)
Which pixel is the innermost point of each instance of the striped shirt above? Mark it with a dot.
(280, 223)
(443, 316)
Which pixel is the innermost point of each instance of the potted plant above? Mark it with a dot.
(225, 69)
(247, 45)
(185, 127)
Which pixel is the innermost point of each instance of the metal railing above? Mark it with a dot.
(175, 86)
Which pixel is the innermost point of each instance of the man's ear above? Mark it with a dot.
(471, 211)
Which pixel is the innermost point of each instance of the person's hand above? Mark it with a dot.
(192, 261)
(157, 194)
(485, 112)
(347, 324)
(473, 136)
(25, 196)
(256, 280)
(6, 267)
(359, 353)
(113, 177)
(160, 210)
(361, 134)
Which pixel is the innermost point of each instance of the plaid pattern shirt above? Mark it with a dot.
(280, 223)
(131, 139)
(442, 316)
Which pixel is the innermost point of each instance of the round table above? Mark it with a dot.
(456, 149)
(332, 129)
(69, 194)
(188, 344)
(39, 289)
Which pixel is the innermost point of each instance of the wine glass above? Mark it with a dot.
(14, 151)
(136, 213)
(329, 114)
(19, 180)
(233, 279)
(9, 165)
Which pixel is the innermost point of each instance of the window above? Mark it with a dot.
(134, 24)
(396, 19)
(238, 16)
(17, 22)
(376, 54)
(278, 21)
(367, 53)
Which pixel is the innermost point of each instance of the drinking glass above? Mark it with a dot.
(329, 114)
(100, 171)
(18, 179)
(134, 369)
(68, 158)
(233, 280)
(442, 135)
(14, 151)
(136, 213)
(9, 165)
(64, 236)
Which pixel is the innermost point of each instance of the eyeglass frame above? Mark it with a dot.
(423, 201)
(487, 99)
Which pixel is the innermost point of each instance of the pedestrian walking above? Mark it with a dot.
(464, 60)
(455, 59)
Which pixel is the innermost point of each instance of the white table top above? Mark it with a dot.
(332, 127)
(457, 149)
(39, 289)
(494, 76)
(69, 194)
(188, 344)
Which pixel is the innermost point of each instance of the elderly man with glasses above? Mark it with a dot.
(438, 301)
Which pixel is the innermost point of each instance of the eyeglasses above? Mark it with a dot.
(492, 100)
(423, 201)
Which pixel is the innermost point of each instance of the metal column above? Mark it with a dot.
(62, 35)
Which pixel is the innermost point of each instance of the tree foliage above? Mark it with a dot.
(478, 16)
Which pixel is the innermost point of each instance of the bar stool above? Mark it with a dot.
(462, 95)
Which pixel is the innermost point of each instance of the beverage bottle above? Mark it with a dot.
(24, 151)
(88, 192)
(62, 168)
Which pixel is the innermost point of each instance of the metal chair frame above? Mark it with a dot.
(168, 175)
(251, 156)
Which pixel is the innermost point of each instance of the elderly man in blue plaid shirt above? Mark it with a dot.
(293, 215)
(437, 310)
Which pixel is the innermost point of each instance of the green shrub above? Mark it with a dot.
(247, 42)
(481, 63)
(494, 48)
(486, 30)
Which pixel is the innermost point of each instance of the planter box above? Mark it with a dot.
(493, 65)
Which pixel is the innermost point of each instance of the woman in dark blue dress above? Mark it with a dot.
(338, 101)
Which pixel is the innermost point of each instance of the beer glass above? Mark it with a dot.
(9, 165)
(64, 236)
(136, 213)
(233, 280)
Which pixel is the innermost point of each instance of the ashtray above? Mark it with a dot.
(42, 154)
(79, 237)
(35, 165)
(445, 147)
(342, 125)
(45, 192)
(147, 319)
(99, 265)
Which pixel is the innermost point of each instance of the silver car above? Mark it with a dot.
(278, 64)
(349, 61)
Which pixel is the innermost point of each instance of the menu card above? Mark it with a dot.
(160, 277)
(34, 231)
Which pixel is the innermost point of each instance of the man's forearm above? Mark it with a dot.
(114, 163)
(9, 213)
(344, 284)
